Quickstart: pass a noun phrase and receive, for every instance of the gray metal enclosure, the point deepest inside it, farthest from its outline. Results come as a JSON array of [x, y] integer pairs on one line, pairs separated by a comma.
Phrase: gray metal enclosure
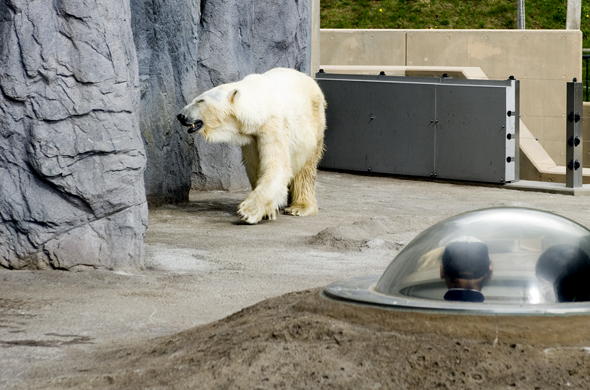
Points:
[[431, 127]]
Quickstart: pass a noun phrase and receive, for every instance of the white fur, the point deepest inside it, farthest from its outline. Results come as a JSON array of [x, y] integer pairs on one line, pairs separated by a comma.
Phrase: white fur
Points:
[[278, 119]]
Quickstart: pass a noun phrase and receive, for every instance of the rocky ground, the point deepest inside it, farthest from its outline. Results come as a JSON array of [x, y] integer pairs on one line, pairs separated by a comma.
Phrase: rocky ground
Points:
[[167, 326]]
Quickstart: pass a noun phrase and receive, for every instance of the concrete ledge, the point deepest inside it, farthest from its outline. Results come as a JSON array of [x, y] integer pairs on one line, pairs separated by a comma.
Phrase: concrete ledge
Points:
[[458, 72], [548, 187]]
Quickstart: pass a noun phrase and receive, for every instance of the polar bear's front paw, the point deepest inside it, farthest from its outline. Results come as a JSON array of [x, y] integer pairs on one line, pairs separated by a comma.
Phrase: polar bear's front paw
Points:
[[249, 213], [252, 211]]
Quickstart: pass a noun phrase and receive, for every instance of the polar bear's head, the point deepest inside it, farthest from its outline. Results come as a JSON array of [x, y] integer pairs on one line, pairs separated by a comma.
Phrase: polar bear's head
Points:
[[213, 115]]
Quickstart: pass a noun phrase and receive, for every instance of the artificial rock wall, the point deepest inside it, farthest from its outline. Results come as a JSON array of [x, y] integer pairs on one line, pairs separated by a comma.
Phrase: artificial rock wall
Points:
[[166, 40], [71, 156]]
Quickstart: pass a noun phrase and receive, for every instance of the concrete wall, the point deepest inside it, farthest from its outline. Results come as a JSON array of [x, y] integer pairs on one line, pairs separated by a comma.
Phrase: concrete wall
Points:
[[586, 134], [543, 60]]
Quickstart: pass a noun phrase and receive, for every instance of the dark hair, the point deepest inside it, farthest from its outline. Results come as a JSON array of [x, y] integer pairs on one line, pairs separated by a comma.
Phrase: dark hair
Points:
[[570, 267], [573, 287], [466, 260], [554, 260]]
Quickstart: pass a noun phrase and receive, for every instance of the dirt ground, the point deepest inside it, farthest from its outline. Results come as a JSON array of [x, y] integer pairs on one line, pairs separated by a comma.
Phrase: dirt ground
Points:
[[167, 326]]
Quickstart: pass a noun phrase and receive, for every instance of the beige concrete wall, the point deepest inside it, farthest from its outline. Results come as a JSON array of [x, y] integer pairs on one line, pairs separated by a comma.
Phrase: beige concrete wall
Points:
[[543, 60], [362, 47], [586, 134]]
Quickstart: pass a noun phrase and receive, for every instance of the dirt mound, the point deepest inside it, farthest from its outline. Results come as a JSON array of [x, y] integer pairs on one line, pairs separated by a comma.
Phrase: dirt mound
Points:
[[374, 233], [304, 341]]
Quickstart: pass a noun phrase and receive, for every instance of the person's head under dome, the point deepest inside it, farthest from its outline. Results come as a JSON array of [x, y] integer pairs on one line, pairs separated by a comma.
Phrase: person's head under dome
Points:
[[466, 268], [567, 268]]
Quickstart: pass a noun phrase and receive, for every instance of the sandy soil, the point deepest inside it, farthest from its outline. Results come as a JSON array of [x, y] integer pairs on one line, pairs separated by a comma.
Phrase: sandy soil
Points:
[[303, 341], [167, 327]]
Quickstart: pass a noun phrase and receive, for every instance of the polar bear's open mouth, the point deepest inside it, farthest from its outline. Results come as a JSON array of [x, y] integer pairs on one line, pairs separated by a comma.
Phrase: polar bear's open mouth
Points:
[[195, 126]]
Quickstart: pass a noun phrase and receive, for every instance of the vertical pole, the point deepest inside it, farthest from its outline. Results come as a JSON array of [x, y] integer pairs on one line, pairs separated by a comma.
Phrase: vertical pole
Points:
[[315, 37], [516, 84], [573, 171], [574, 14], [520, 15]]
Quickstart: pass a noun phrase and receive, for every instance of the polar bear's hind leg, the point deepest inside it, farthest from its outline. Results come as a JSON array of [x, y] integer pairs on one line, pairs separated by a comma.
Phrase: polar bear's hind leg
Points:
[[302, 189]]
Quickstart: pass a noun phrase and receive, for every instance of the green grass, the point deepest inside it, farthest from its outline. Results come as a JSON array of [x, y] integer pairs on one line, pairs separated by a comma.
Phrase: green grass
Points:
[[454, 14]]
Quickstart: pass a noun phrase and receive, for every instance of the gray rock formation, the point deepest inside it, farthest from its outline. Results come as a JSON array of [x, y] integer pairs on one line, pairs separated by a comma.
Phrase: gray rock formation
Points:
[[165, 35], [242, 37], [186, 47], [71, 156]]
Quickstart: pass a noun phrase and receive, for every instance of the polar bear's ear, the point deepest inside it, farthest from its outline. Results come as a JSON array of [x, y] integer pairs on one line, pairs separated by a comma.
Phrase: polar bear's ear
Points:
[[233, 95]]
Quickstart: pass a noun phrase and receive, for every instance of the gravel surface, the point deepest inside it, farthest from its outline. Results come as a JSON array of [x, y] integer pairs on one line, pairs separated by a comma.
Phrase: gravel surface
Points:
[[66, 329]]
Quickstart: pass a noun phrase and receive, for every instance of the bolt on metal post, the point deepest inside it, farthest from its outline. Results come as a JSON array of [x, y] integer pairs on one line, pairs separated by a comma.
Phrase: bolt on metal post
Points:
[[574, 153]]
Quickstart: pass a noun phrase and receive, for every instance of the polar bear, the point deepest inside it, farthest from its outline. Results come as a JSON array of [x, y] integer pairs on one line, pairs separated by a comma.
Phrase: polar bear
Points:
[[278, 118]]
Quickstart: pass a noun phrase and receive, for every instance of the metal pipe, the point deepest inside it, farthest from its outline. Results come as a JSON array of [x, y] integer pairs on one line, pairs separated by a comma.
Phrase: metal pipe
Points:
[[520, 15], [574, 14]]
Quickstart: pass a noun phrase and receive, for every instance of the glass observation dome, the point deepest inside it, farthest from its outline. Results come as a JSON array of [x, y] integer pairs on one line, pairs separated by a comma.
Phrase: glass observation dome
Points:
[[498, 260]]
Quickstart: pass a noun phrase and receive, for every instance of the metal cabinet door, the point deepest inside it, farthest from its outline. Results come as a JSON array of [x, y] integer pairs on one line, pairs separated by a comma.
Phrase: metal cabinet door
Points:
[[470, 133], [380, 126]]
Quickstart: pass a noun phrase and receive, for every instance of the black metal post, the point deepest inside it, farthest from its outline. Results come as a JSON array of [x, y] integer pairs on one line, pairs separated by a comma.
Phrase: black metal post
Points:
[[573, 172]]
